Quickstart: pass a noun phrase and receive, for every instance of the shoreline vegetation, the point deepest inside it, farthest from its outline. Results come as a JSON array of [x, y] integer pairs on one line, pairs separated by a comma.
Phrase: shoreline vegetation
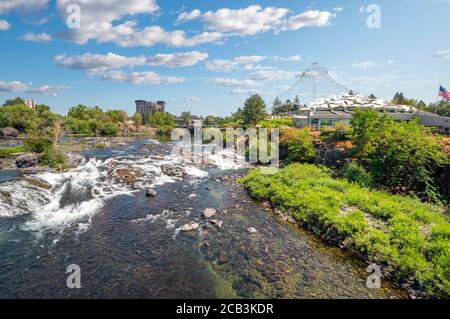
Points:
[[375, 187], [410, 239]]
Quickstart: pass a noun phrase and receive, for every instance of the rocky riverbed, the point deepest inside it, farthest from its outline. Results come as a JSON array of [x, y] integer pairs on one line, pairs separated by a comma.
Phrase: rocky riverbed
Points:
[[143, 222]]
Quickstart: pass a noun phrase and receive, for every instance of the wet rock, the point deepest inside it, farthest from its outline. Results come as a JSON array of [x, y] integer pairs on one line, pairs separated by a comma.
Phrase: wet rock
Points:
[[217, 223], [222, 259], [208, 213], [73, 159], [39, 183], [27, 160], [151, 193], [190, 227], [251, 230], [8, 132], [173, 170], [128, 175]]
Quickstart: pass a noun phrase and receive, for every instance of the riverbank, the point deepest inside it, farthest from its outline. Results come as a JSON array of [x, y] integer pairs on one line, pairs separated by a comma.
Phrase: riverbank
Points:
[[409, 239]]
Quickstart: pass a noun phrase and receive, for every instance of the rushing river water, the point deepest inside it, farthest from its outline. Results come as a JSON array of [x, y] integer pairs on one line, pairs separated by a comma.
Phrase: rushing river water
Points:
[[129, 245]]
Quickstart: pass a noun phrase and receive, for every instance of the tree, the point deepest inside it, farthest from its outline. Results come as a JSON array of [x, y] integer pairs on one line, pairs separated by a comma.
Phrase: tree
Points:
[[137, 118], [157, 119], [186, 118], [372, 96], [297, 100], [16, 101], [254, 110], [402, 156], [169, 120], [210, 120], [364, 128], [300, 144]]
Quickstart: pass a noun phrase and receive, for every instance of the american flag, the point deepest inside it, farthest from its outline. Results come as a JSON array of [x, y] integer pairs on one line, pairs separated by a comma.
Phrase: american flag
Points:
[[444, 93]]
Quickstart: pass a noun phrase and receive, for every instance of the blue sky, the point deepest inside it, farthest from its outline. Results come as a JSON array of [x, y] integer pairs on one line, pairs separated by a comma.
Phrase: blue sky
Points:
[[208, 56]]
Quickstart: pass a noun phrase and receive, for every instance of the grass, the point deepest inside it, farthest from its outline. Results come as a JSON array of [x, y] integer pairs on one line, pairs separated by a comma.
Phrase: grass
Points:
[[8, 151], [276, 123], [409, 238]]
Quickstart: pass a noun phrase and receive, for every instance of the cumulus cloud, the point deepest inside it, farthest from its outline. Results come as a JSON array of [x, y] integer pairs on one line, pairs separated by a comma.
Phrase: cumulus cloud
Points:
[[102, 21], [144, 78], [186, 16], [4, 25], [16, 86], [371, 63], [288, 58], [254, 19], [94, 63], [22, 6], [39, 37], [13, 86], [445, 54], [193, 99], [230, 82], [273, 74], [47, 90], [228, 65], [245, 92]]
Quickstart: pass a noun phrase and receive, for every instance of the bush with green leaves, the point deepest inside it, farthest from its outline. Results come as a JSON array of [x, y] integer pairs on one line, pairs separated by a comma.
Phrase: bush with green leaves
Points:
[[300, 145], [53, 157], [355, 173], [409, 238], [402, 156]]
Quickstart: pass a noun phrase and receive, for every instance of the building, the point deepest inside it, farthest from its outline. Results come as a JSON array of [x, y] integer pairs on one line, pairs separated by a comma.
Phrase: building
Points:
[[325, 113], [30, 103], [146, 108]]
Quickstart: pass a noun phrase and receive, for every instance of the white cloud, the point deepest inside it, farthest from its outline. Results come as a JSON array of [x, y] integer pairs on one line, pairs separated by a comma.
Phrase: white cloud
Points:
[[39, 37], [338, 9], [193, 99], [312, 18], [102, 21], [254, 19], [289, 58], [228, 65], [94, 63], [445, 54], [16, 86], [22, 6], [245, 92], [47, 90], [371, 63], [13, 86], [186, 16], [229, 82], [144, 78], [4, 25], [273, 74]]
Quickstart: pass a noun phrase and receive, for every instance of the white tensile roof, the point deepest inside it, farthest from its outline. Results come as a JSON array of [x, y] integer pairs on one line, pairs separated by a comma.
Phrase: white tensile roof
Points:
[[351, 101]]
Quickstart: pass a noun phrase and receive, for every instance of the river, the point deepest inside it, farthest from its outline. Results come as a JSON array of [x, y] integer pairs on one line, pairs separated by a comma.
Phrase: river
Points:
[[128, 245]]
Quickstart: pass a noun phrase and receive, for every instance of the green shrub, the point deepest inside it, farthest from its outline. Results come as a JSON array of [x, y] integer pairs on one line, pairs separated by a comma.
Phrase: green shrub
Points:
[[53, 157], [8, 151], [410, 237], [355, 173], [37, 144], [300, 144], [110, 129]]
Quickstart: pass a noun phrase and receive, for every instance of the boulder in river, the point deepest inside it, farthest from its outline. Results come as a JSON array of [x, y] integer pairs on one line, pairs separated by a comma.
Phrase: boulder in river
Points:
[[9, 132], [251, 230], [208, 213], [217, 223], [173, 170], [27, 160], [39, 183], [128, 174], [151, 193], [190, 227], [73, 159]]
